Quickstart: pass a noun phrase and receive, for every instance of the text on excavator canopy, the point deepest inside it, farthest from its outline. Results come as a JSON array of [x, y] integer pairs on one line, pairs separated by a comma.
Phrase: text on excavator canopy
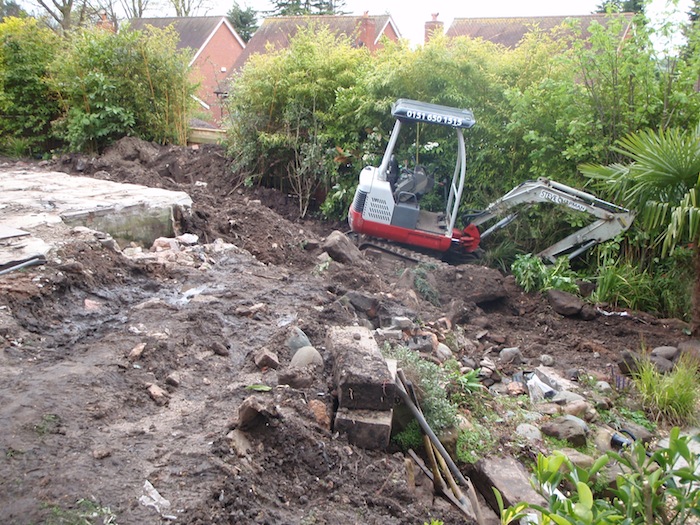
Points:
[[434, 117], [558, 199]]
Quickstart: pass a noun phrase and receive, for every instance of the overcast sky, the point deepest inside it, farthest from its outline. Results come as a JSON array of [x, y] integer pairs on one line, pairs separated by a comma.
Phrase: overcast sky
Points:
[[411, 15]]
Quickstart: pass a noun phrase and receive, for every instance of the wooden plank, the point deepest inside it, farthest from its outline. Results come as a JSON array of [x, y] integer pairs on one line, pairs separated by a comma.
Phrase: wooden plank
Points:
[[206, 136]]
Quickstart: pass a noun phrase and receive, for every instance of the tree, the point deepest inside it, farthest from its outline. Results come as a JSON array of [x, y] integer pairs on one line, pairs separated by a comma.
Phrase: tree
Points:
[[134, 8], [661, 182], [244, 21], [187, 7], [10, 8], [622, 6], [306, 7], [65, 13]]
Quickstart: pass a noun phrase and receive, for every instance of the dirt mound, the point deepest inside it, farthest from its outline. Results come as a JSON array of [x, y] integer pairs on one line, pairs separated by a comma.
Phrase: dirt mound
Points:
[[118, 371]]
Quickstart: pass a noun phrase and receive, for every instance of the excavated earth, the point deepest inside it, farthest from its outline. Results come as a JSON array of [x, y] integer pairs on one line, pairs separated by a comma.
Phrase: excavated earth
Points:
[[119, 370]]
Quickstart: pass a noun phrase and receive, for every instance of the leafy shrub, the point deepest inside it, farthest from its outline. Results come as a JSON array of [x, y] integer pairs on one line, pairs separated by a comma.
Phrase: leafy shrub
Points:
[[130, 83], [429, 380], [532, 274], [284, 121], [28, 104], [661, 487], [672, 397]]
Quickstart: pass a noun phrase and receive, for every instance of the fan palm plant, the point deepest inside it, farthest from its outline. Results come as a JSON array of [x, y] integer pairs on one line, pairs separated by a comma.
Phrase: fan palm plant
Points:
[[661, 182]]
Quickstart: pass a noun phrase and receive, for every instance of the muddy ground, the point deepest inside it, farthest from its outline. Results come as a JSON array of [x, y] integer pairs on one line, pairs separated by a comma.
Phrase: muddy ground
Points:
[[115, 371]]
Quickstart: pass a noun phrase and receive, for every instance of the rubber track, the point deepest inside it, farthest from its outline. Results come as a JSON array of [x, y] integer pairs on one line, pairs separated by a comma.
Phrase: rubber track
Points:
[[363, 242]]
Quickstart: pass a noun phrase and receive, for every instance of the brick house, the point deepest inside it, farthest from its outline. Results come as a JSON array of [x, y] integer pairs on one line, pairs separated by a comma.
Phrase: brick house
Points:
[[276, 32], [216, 46], [509, 31]]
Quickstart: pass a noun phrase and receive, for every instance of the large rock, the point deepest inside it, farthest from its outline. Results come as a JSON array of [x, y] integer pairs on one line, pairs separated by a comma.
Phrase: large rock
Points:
[[507, 476], [361, 374], [341, 248], [567, 428], [565, 303], [691, 349]]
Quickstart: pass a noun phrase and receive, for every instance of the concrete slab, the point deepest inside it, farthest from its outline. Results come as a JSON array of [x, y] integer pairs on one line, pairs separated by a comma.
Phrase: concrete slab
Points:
[[34, 200]]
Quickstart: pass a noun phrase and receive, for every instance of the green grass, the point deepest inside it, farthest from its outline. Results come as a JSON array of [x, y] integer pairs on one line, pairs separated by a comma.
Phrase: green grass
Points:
[[475, 443], [87, 512], [671, 397]]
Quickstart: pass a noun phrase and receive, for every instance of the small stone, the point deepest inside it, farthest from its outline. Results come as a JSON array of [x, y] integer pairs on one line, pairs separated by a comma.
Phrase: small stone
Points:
[[515, 388], [320, 413], [569, 428], [101, 453], [187, 238], [265, 358], [401, 322], [497, 338], [306, 356], [250, 311], [529, 432], [296, 378], [580, 408], [254, 411], [219, 349], [481, 322], [239, 442], [604, 387], [511, 355], [173, 379], [667, 352], [157, 394], [547, 360], [136, 352], [443, 352], [297, 339], [162, 244]]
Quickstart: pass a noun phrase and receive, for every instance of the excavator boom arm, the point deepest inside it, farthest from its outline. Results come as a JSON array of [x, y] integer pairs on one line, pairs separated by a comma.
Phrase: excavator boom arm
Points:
[[611, 219]]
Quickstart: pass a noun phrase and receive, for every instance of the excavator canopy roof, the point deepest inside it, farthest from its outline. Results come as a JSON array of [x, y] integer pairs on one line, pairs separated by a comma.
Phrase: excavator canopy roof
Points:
[[407, 110]]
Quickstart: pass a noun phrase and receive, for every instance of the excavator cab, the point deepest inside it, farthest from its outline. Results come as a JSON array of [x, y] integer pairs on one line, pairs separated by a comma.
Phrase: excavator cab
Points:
[[386, 204], [387, 199]]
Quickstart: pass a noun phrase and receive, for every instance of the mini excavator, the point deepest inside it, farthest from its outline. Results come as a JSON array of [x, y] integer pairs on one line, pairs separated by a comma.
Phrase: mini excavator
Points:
[[386, 204]]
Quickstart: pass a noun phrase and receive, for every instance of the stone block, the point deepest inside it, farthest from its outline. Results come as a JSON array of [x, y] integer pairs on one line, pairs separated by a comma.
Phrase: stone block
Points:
[[370, 429], [509, 477], [360, 372]]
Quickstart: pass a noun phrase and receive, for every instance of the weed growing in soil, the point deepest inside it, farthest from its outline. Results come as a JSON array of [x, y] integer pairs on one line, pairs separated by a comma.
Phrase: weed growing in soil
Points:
[[672, 397], [429, 380], [426, 290], [88, 512], [49, 424], [474, 443]]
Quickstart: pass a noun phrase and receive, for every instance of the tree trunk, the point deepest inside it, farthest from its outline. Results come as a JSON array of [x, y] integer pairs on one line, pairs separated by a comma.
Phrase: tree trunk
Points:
[[695, 314]]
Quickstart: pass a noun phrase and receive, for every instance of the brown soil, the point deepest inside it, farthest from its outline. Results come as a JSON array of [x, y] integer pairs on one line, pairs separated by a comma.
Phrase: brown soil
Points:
[[76, 415]]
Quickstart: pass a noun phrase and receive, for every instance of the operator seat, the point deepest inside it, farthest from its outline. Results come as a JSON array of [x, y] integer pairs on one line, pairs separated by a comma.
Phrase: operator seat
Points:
[[412, 185]]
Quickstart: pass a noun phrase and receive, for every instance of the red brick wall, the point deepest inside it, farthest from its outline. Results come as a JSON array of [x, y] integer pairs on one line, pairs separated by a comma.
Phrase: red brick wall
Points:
[[221, 51]]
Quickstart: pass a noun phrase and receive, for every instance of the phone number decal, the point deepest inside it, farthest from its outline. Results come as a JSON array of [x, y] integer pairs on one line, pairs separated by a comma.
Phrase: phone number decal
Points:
[[434, 117]]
